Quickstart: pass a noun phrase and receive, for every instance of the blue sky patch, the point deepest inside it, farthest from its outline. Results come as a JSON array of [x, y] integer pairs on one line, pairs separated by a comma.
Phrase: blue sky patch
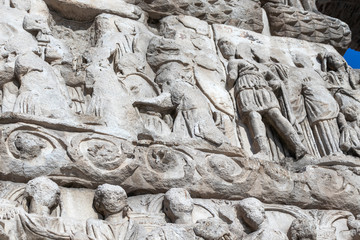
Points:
[[353, 58]]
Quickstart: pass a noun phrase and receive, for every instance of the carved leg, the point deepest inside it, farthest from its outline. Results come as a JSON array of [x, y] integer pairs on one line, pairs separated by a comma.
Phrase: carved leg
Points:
[[327, 137], [286, 132], [257, 126]]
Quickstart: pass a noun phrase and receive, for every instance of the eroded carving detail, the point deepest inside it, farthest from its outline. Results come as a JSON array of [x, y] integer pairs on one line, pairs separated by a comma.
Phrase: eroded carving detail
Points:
[[170, 119]]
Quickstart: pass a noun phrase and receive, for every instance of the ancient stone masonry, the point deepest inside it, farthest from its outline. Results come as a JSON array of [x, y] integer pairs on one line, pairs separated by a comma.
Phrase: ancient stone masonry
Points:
[[174, 119]]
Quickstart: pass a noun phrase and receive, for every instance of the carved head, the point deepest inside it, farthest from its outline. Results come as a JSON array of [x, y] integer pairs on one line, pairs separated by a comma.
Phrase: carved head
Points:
[[26, 63], [334, 61], [43, 195], [252, 212], [227, 48], [171, 74], [178, 205], [302, 228], [351, 113], [110, 199]]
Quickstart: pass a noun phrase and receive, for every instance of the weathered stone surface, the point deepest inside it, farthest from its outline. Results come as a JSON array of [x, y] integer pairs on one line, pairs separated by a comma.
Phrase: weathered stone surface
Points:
[[292, 21], [143, 218], [348, 11], [246, 14], [177, 120], [87, 10]]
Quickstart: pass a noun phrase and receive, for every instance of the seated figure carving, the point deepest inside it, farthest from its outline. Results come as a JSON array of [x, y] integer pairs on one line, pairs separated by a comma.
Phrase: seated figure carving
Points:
[[193, 118], [38, 83]]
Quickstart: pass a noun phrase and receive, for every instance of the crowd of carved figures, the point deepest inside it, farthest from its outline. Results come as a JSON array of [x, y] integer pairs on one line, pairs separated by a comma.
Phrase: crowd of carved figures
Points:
[[38, 214], [166, 87], [197, 109]]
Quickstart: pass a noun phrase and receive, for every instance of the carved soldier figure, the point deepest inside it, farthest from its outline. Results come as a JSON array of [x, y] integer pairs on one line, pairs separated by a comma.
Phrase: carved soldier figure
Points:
[[256, 100]]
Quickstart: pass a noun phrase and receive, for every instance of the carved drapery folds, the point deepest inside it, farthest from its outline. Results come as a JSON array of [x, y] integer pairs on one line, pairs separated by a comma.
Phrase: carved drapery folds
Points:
[[176, 120]]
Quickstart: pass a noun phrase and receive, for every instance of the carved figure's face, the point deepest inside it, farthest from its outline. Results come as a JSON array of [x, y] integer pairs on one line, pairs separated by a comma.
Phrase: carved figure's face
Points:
[[335, 62], [252, 212], [44, 192], [178, 204], [351, 113], [110, 199], [227, 48], [254, 217]]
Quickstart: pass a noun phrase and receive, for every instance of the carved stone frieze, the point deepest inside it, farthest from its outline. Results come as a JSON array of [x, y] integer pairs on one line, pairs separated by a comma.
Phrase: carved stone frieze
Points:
[[211, 120]]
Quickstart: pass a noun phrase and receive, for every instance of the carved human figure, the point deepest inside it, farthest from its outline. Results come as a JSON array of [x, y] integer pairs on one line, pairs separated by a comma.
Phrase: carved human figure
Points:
[[322, 112], [38, 84], [193, 116], [348, 121], [212, 228], [71, 69], [43, 196], [354, 226], [111, 101], [256, 100], [178, 206], [253, 215], [338, 72], [312, 104], [292, 105], [127, 58], [111, 202], [302, 229]]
